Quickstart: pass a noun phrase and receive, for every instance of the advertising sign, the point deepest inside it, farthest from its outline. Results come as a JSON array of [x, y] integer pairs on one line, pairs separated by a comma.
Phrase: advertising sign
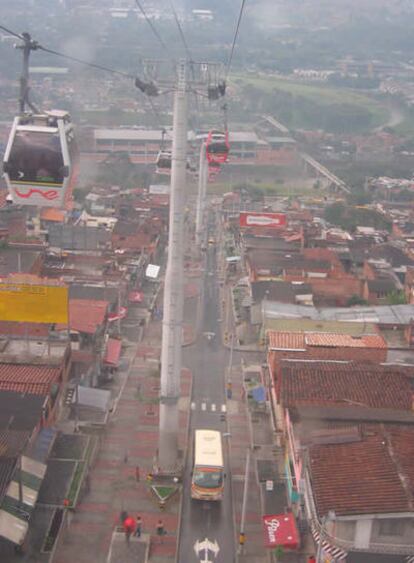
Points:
[[280, 529], [265, 220], [33, 303]]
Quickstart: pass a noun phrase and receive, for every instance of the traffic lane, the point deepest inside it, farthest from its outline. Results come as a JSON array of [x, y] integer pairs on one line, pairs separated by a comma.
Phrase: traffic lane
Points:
[[207, 362], [203, 520]]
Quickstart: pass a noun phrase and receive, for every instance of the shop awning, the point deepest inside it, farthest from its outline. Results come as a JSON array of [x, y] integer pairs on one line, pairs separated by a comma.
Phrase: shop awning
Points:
[[112, 352], [15, 511], [280, 529], [118, 315]]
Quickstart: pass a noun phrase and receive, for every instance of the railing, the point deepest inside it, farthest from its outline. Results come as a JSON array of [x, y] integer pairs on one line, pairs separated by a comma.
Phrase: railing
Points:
[[374, 547], [347, 545]]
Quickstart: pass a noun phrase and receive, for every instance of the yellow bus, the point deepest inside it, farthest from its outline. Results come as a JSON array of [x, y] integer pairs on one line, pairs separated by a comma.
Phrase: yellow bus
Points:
[[207, 481]]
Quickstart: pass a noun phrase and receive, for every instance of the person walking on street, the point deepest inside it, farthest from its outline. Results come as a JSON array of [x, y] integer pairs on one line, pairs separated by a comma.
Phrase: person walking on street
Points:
[[138, 526], [129, 527], [160, 530], [123, 516]]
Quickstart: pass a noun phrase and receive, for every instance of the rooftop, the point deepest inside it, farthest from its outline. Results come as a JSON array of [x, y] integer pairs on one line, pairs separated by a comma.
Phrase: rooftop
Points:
[[27, 378], [86, 315], [344, 383], [20, 411], [371, 475], [279, 340]]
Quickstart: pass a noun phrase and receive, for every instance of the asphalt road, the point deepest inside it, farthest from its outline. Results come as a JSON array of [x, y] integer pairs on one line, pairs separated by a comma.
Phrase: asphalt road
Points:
[[208, 361]]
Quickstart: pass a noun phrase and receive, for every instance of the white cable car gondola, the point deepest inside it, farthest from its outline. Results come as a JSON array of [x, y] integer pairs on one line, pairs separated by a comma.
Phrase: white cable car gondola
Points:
[[41, 159], [164, 163]]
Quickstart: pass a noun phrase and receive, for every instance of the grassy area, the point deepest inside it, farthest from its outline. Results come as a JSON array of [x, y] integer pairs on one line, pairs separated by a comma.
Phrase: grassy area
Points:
[[321, 94], [76, 483]]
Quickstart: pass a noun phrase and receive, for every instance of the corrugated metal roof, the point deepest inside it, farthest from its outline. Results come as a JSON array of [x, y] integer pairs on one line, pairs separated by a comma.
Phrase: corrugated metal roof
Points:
[[385, 314]]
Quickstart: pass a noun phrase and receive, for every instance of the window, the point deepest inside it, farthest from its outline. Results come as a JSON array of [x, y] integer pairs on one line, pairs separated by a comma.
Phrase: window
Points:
[[391, 527]]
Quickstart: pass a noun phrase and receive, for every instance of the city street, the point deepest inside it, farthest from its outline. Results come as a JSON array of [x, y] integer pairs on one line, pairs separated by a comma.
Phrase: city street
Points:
[[207, 525]]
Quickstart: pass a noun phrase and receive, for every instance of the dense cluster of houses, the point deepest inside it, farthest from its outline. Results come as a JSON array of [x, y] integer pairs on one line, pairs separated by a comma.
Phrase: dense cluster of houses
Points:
[[54, 377], [333, 310]]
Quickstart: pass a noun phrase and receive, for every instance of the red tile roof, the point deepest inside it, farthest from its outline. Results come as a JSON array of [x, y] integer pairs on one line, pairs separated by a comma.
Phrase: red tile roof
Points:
[[373, 475], [345, 340], [52, 214], [286, 340], [28, 378], [86, 315], [302, 340], [23, 329], [344, 383]]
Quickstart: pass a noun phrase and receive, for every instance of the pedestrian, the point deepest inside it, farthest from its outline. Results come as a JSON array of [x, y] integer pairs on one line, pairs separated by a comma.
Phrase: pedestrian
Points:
[[123, 516], [160, 530], [229, 389], [137, 474], [138, 526], [129, 527]]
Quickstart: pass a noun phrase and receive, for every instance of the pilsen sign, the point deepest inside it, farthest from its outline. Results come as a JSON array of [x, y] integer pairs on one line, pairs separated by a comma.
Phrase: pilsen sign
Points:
[[264, 220], [280, 529]]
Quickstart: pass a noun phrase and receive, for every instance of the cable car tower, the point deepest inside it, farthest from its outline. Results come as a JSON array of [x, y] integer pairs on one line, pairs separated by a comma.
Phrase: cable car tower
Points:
[[41, 161]]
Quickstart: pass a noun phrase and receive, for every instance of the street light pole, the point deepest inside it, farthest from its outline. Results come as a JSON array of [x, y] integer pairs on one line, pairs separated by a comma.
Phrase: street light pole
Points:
[[202, 182], [242, 536], [173, 287]]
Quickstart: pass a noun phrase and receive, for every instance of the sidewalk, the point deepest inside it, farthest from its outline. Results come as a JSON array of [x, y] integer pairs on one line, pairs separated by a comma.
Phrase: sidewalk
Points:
[[253, 429], [129, 441]]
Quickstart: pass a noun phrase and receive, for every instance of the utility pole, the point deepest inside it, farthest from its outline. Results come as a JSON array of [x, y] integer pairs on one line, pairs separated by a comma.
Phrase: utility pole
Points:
[[173, 287], [242, 535], [202, 183]]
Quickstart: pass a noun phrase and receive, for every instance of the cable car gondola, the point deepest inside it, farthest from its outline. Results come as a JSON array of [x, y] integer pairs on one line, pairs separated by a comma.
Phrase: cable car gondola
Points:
[[41, 159], [164, 163], [217, 147], [213, 171]]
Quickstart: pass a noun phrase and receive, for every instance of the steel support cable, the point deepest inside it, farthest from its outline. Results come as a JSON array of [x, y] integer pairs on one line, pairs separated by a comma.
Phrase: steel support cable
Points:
[[92, 65], [235, 37], [152, 26], [10, 32], [181, 32]]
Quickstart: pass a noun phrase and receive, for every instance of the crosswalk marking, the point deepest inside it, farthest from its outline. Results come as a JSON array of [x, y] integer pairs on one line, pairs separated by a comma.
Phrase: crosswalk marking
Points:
[[205, 406]]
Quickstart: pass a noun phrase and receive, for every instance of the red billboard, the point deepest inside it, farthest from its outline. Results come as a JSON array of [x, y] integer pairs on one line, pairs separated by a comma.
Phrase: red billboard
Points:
[[265, 220], [280, 529]]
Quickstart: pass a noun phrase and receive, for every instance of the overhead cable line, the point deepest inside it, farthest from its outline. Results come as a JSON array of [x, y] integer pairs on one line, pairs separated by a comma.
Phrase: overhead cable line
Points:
[[92, 65], [235, 37], [181, 32], [152, 26], [11, 32], [148, 88]]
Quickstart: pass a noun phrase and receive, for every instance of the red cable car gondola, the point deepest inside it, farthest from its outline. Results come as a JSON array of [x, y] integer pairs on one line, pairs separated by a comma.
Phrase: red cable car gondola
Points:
[[217, 147], [41, 159], [213, 171]]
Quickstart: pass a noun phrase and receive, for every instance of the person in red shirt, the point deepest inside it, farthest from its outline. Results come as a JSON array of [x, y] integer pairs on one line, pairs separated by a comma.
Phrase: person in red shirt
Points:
[[129, 527]]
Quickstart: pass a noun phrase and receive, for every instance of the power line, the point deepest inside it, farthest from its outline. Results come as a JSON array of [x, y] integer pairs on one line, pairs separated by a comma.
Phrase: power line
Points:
[[153, 28], [68, 57], [235, 37], [181, 32], [11, 32], [92, 65]]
